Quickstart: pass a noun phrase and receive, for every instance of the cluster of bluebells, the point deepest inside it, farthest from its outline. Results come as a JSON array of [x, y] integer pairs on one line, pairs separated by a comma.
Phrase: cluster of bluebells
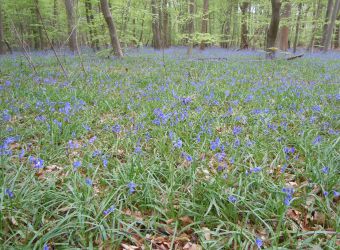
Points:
[[36, 162], [109, 210], [288, 195]]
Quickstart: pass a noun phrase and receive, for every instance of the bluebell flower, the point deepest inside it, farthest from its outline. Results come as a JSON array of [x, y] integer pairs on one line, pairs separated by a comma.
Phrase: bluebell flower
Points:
[[46, 247], [36, 162], [92, 139], [187, 156], [86, 127], [289, 195], [325, 170], [232, 199], [88, 182], [109, 210], [282, 170], [132, 187], [76, 165], [178, 143], [237, 130], [215, 144], [317, 140], [325, 193], [9, 193], [105, 162], [220, 156], [259, 242], [255, 170], [116, 128], [336, 194]]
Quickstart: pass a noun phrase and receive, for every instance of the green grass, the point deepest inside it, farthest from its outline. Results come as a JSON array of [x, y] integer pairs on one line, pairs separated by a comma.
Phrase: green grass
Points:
[[278, 105]]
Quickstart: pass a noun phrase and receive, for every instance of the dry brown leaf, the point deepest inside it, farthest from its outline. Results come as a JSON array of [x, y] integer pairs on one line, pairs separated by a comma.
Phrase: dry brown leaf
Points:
[[14, 221], [191, 246], [129, 247], [186, 220], [318, 218], [169, 221], [207, 233]]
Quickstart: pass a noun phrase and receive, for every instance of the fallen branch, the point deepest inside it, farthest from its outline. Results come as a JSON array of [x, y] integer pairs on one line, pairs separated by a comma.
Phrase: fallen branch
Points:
[[294, 57]]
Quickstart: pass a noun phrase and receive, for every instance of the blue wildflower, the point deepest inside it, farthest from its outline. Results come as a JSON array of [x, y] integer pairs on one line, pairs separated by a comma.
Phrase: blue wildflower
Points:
[[232, 199], [178, 143], [255, 170], [116, 128], [109, 210], [132, 187], [92, 140], [317, 140], [237, 130], [325, 170], [259, 242], [88, 182], [9, 193], [76, 165], [46, 247]]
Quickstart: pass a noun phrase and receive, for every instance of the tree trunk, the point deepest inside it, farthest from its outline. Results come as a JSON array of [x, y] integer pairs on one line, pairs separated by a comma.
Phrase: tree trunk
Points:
[[244, 26], [72, 29], [166, 19], [316, 18], [40, 31], [297, 26], [325, 26], [274, 25], [88, 13], [112, 28], [2, 38], [226, 29], [205, 19], [191, 27], [337, 34], [55, 17], [284, 30], [331, 25], [156, 25]]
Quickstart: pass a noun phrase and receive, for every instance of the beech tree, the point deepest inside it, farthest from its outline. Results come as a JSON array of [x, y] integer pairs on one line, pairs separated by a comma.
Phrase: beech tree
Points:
[[2, 47], [205, 19], [112, 28], [331, 26], [244, 26], [274, 23], [284, 30], [191, 27], [157, 44], [72, 28]]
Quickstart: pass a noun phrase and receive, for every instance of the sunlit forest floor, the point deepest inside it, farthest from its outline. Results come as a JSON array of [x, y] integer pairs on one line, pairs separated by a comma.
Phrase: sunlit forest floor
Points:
[[156, 151]]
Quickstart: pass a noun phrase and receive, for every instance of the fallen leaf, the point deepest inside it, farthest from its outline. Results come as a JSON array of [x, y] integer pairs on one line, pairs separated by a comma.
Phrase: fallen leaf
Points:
[[191, 246], [129, 247], [207, 233], [186, 220]]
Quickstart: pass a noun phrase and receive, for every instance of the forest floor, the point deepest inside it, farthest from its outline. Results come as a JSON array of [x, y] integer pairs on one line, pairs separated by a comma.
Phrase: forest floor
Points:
[[159, 152]]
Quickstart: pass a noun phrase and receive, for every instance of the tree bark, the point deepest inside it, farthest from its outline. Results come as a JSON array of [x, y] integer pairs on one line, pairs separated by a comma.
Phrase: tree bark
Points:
[[274, 23], [297, 27], [191, 27], [284, 30], [205, 19], [2, 38], [166, 30], [72, 29], [331, 25], [316, 17], [156, 25], [40, 32], [88, 13], [112, 28], [244, 26], [325, 26], [337, 35]]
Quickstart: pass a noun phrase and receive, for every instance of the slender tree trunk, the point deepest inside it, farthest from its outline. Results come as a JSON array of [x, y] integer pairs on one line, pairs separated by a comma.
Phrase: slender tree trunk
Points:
[[331, 25], [284, 30], [191, 27], [226, 29], [156, 25], [2, 38], [40, 31], [337, 35], [244, 25], [205, 19], [325, 26], [297, 26], [274, 25], [72, 29], [55, 17], [166, 30], [88, 10], [112, 28], [316, 18]]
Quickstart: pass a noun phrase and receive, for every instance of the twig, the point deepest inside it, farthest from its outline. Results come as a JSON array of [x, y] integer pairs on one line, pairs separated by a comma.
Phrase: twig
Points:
[[23, 47], [294, 57]]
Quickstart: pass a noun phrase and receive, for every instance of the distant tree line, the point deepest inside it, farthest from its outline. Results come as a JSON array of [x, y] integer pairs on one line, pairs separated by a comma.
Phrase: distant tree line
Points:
[[283, 24]]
